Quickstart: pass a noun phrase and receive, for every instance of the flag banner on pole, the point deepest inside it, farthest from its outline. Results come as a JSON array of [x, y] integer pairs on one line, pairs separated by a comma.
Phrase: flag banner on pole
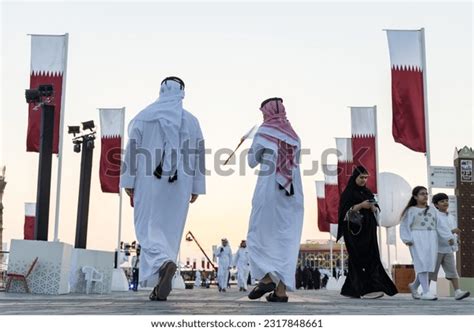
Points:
[[48, 63], [408, 116], [364, 145], [331, 191], [30, 219], [323, 224], [344, 162], [111, 131], [392, 235]]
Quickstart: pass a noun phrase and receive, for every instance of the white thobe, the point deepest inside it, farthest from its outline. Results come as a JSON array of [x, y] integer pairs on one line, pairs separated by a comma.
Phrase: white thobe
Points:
[[225, 259], [198, 280], [161, 207], [242, 263], [424, 248], [276, 220]]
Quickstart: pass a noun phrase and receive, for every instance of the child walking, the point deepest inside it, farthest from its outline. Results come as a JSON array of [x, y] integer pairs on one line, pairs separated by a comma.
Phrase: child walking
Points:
[[446, 251], [419, 230]]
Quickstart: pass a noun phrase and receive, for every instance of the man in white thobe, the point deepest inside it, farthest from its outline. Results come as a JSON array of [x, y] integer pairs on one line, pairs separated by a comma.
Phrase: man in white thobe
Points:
[[224, 254], [276, 220], [242, 263], [163, 171]]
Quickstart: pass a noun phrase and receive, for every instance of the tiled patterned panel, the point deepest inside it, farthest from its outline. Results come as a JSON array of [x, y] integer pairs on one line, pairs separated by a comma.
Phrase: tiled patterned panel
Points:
[[50, 275]]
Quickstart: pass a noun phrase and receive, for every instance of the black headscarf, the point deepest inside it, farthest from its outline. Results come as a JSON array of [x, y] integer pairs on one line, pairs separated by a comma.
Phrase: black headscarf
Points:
[[352, 195]]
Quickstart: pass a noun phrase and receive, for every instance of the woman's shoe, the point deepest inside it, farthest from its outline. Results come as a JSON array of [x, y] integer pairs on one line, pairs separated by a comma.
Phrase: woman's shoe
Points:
[[414, 291], [260, 290], [428, 296], [272, 297]]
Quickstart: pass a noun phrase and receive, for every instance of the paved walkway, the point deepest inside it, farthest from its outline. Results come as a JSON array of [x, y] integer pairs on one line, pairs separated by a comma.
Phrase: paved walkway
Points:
[[210, 301]]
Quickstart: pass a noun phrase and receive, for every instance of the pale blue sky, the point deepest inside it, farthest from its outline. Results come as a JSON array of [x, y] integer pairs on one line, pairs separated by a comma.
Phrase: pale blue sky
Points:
[[320, 57]]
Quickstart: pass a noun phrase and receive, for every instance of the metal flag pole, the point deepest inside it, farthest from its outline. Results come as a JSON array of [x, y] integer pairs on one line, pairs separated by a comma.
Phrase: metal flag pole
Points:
[[425, 105], [377, 174], [331, 253], [120, 190], [61, 140]]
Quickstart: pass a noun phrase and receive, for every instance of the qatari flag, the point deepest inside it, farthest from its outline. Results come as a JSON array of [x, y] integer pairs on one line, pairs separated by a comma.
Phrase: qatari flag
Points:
[[408, 114], [111, 133], [48, 67], [30, 219], [331, 192], [344, 162], [364, 144], [323, 224]]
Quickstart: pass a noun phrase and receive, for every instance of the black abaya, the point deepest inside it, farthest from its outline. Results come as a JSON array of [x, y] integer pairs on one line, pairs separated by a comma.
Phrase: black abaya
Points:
[[366, 273]]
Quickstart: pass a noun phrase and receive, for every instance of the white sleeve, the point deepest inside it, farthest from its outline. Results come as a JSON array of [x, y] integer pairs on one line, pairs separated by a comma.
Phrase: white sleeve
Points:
[[255, 154], [405, 231], [199, 180], [218, 252], [443, 229], [129, 166]]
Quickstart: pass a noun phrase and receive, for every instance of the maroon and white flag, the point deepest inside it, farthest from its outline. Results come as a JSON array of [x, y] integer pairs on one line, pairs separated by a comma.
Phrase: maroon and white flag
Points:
[[364, 144], [323, 224], [408, 114], [48, 66], [331, 192], [344, 162], [111, 134], [30, 219]]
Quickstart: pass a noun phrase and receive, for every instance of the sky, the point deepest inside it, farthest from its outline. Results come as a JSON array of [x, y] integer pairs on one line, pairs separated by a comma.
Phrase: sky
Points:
[[320, 57]]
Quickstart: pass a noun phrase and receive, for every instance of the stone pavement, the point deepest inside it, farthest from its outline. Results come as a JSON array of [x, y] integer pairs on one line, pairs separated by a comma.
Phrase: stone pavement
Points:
[[210, 301]]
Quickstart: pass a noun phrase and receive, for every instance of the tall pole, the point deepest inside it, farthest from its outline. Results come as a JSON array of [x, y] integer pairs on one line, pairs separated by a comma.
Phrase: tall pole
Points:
[[3, 183], [377, 174], [425, 104], [330, 250], [60, 152], [342, 259], [43, 192], [84, 191], [119, 239]]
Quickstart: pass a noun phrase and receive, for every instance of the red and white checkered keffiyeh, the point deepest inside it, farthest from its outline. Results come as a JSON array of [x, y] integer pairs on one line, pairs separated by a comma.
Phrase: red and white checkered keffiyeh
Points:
[[277, 129]]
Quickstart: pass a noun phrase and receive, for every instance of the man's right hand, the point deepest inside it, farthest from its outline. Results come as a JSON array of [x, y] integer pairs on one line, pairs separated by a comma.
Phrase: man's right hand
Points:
[[409, 243], [129, 191]]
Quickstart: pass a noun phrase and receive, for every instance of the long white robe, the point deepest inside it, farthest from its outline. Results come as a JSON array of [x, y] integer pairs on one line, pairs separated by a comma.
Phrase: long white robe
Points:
[[276, 220], [241, 261], [161, 207], [224, 262], [424, 248]]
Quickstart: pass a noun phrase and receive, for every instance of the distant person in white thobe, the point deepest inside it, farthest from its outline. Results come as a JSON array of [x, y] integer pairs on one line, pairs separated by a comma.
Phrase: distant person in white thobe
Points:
[[163, 171], [276, 220], [198, 279], [224, 255], [241, 261]]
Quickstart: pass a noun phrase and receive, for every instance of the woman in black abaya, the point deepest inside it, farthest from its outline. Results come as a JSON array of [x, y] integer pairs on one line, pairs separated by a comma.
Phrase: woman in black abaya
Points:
[[367, 277]]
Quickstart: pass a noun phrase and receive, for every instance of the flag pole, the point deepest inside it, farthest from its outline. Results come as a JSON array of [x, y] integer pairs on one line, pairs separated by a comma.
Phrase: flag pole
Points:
[[330, 247], [61, 140], [377, 174], [120, 189], [425, 106]]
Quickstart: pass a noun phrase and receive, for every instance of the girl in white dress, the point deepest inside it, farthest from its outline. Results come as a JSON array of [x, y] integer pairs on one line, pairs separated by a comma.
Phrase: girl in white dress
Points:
[[419, 231]]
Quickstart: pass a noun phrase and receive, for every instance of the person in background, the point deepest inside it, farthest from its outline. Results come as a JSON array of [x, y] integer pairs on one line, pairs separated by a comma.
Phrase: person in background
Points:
[[224, 254]]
